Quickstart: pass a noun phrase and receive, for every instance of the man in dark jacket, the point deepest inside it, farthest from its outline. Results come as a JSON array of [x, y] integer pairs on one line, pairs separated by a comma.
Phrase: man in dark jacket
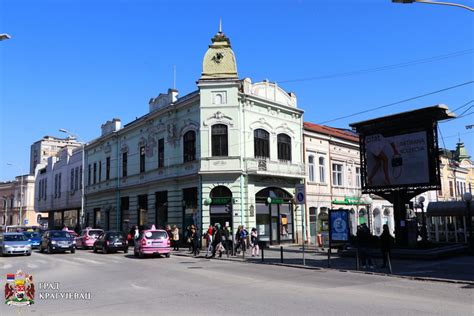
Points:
[[385, 244], [216, 240], [364, 242]]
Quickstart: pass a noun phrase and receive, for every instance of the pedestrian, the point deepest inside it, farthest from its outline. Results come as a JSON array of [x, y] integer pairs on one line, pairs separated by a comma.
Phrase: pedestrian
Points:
[[65, 228], [243, 239], [130, 237], [385, 244], [254, 242], [194, 240], [168, 231], [364, 240], [217, 241], [175, 240], [237, 241], [136, 233], [189, 239], [208, 237]]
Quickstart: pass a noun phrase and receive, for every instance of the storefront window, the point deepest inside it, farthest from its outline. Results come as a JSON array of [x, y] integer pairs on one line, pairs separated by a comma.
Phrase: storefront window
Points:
[[58, 219], [70, 218]]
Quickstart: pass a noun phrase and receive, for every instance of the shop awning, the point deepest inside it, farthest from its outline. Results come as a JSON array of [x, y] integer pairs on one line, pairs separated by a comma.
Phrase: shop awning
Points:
[[448, 208]]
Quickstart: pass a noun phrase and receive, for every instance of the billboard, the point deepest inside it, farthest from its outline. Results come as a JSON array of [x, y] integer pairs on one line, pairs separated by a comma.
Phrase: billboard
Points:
[[338, 226], [398, 160]]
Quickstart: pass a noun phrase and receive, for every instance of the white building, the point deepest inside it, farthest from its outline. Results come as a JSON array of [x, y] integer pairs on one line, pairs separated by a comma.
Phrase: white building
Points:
[[229, 152], [18, 198], [333, 180], [46, 147]]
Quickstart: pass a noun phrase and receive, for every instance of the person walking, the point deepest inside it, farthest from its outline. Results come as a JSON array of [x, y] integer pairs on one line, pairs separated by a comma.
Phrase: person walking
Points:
[[237, 240], [243, 239], [385, 244], [208, 237], [217, 241], [175, 237], [194, 240], [364, 241], [189, 238], [254, 242]]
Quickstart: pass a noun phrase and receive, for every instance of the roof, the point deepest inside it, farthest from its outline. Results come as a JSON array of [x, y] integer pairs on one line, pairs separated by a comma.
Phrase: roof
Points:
[[331, 131], [448, 208]]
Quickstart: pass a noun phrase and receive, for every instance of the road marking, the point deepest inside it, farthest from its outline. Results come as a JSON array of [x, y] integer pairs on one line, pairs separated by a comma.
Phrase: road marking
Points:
[[138, 287], [87, 260], [7, 266], [32, 266], [41, 261]]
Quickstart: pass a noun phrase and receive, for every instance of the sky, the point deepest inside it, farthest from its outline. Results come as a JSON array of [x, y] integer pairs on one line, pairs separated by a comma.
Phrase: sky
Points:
[[74, 64]]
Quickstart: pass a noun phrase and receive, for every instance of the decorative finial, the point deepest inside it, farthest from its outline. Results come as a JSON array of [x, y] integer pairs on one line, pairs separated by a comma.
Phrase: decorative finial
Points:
[[220, 25]]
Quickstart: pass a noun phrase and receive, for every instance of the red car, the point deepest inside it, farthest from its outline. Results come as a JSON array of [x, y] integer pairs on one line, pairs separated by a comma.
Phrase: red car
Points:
[[152, 242], [88, 237]]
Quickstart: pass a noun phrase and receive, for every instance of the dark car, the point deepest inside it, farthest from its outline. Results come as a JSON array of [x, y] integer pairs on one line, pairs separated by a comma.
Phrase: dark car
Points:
[[34, 238], [57, 241], [111, 241]]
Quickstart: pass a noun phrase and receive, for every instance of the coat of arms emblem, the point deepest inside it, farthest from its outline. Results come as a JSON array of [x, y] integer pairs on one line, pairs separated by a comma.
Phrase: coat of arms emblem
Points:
[[19, 289]]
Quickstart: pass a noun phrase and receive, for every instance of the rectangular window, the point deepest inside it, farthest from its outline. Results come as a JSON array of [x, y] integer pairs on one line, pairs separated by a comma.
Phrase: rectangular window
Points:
[[95, 172], [142, 159], [100, 170], [142, 213], [451, 189], [219, 140], [358, 184], [55, 186], [89, 173], [161, 208], [124, 164], [107, 168], [161, 153], [337, 174], [190, 204], [59, 185], [76, 179], [124, 206], [322, 170], [72, 180], [45, 189]]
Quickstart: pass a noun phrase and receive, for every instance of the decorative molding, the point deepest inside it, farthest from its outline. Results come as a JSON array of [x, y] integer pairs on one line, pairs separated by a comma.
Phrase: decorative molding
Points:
[[284, 128], [189, 125], [262, 123], [218, 118], [124, 148], [171, 130]]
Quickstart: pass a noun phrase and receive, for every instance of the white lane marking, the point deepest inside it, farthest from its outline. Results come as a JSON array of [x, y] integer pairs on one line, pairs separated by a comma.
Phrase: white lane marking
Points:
[[6, 266], [138, 287], [87, 260], [32, 266]]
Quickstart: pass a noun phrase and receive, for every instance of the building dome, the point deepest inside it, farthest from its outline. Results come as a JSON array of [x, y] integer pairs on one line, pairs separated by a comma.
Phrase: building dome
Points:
[[219, 60]]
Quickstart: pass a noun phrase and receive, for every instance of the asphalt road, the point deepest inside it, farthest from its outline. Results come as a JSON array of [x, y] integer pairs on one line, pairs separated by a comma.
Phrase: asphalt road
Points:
[[123, 285]]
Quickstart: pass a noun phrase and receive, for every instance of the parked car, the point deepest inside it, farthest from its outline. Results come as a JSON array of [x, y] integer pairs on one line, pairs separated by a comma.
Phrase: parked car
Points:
[[34, 239], [151, 242], [88, 237], [111, 241], [57, 240], [14, 244]]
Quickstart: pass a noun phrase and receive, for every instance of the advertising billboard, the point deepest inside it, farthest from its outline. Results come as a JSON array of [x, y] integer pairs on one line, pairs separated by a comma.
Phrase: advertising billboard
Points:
[[338, 226], [399, 160]]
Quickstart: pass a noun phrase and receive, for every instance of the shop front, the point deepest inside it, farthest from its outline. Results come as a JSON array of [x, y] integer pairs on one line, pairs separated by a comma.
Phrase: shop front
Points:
[[274, 216], [448, 221], [220, 206]]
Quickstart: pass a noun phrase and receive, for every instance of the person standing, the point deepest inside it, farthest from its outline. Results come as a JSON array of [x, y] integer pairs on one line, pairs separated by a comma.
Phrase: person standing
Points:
[[243, 239], [175, 239], [194, 240], [254, 242], [208, 237], [217, 241], [385, 244], [364, 240]]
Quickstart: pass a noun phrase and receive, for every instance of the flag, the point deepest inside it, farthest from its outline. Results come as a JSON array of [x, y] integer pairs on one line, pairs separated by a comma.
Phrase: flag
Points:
[[10, 277]]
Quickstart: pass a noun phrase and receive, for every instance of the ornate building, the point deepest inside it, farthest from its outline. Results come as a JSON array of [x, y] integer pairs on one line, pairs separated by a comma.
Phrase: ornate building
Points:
[[229, 153]]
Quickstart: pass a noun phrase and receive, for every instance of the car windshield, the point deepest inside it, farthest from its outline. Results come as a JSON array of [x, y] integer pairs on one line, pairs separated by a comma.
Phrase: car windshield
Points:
[[155, 234], [95, 232], [114, 235], [60, 234], [31, 235], [15, 237]]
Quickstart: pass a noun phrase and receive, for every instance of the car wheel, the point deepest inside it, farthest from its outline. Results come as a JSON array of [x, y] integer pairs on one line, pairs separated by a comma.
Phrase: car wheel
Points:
[[73, 250], [104, 250], [167, 255], [125, 250], [94, 249]]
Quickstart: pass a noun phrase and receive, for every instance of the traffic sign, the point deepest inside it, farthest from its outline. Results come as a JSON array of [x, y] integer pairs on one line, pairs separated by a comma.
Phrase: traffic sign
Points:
[[300, 194], [25, 222]]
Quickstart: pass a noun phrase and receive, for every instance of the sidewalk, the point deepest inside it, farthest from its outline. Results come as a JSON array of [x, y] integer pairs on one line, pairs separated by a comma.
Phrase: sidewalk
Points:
[[456, 269]]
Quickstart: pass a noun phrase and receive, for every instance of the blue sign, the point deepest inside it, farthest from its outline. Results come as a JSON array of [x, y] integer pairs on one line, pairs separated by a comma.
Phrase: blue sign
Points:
[[25, 222], [339, 225]]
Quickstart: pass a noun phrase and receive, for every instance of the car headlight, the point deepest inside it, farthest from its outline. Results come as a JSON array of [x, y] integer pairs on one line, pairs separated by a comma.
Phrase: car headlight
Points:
[[28, 246], [7, 246], [53, 242]]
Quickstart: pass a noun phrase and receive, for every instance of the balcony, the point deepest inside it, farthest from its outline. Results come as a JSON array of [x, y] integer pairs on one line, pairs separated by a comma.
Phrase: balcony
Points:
[[220, 164], [278, 168]]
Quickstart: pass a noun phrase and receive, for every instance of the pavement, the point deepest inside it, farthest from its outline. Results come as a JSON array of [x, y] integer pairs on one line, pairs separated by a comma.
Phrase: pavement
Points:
[[120, 284], [457, 269]]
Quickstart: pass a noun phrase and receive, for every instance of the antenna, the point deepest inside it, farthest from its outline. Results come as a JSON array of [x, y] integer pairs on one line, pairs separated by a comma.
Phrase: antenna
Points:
[[174, 77]]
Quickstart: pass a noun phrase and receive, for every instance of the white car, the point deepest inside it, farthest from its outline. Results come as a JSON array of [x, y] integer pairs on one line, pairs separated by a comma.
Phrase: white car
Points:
[[15, 244]]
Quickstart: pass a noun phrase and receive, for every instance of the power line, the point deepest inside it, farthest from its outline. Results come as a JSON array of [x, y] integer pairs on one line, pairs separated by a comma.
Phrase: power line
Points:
[[382, 68], [398, 102]]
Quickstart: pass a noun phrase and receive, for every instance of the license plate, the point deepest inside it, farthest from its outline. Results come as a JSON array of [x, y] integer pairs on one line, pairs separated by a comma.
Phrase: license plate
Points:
[[118, 244], [64, 246], [156, 242]]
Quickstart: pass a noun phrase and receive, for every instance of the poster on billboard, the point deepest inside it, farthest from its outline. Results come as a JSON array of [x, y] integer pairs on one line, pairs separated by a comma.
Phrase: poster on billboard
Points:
[[397, 160], [338, 226]]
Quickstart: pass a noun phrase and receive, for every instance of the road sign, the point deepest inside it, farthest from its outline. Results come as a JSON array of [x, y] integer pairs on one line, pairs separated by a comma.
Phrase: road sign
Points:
[[300, 194], [25, 222]]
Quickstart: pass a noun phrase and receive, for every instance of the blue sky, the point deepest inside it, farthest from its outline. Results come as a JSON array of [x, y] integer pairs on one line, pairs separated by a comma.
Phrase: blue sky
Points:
[[75, 64]]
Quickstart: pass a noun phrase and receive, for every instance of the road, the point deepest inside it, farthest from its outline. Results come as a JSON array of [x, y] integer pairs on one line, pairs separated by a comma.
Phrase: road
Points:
[[123, 285]]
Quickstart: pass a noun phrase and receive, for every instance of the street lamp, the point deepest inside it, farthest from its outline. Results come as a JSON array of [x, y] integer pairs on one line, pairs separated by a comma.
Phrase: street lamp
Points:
[[21, 193], [434, 2], [421, 199], [81, 215], [467, 197]]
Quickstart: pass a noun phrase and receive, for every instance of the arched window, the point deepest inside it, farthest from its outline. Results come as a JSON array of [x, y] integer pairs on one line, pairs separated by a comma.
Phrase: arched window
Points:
[[322, 170], [189, 146], [311, 168], [261, 143], [219, 140], [284, 147]]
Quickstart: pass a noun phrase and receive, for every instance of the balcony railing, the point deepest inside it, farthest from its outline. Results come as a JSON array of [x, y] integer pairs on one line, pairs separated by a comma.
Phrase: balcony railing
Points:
[[267, 167]]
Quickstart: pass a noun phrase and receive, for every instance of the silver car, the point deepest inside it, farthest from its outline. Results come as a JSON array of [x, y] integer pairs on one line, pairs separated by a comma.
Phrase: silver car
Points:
[[14, 244]]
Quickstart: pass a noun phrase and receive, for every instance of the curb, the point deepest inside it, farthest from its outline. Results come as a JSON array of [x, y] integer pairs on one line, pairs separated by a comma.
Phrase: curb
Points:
[[415, 278]]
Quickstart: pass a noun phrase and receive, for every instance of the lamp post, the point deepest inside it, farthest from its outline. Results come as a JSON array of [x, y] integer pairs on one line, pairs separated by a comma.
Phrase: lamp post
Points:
[[81, 215], [421, 199], [368, 202], [435, 2], [21, 194], [467, 197]]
